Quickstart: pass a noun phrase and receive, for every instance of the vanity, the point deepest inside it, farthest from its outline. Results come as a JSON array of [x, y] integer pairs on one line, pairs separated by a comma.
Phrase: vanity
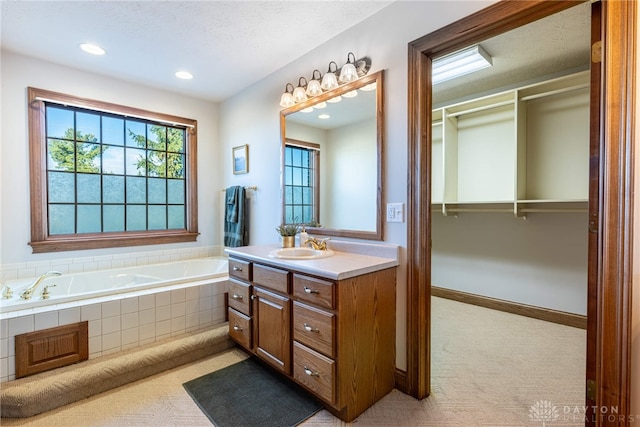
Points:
[[327, 323]]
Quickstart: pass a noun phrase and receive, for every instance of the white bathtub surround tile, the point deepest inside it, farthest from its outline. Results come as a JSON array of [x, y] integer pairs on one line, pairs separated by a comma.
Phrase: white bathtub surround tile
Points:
[[177, 310], [130, 338], [191, 293], [142, 260], [147, 333], [117, 263], [163, 329], [27, 273], [129, 320], [105, 265], [95, 346], [206, 304], [164, 258], [178, 325], [4, 349], [95, 328], [75, 268], [91, 312], [206, 291], [163, 298], [129, 305], [177, 295], [4, 328], [205, 319], [192, 322], [4, 368], [147, 317], [191, 307], [145, 302], [112, 341], [90, 266], [153, 259], [69, 315], [46, 320], [163, 313], [130, 262], [218, 315], [110, 309], [110, 325], [21, 325]]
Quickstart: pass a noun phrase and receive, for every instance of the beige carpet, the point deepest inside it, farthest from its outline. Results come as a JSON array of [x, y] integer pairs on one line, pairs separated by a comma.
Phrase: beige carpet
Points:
[[488, 369]]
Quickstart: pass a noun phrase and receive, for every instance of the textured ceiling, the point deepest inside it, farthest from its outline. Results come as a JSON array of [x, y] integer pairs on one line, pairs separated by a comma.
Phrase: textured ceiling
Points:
[[227, 45], [542, 48]]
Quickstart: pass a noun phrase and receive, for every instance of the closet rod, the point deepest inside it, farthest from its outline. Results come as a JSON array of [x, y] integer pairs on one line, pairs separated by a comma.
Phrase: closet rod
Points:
[[555, 92]]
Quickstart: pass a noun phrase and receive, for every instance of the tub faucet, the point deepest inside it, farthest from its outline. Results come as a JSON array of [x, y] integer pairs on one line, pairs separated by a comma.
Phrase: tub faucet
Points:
[[28, 293]]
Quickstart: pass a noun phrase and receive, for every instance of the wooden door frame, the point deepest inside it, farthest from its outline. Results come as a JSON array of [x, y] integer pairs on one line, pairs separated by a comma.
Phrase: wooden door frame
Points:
[[614, 212]]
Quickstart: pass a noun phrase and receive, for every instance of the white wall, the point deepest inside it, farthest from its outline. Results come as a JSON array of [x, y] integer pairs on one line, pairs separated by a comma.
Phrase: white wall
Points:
[[19, 72], [252, 117]]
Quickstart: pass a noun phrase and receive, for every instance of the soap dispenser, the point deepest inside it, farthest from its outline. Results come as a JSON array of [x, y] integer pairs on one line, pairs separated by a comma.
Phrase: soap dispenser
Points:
[[303, 237]]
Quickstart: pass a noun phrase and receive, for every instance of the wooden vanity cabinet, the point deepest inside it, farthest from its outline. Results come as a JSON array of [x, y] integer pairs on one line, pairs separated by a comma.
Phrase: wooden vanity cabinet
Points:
[[336, 338]]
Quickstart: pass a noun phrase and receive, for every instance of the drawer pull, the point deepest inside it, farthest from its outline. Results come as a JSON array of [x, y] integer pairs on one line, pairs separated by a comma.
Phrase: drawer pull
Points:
[[311, 291], [236, 296], [254, 297], [237, 328], [310, 329], [310, 372], [236, 268]]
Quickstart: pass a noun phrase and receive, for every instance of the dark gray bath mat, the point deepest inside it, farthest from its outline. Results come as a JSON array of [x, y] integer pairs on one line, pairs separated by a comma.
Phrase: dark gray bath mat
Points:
[[249, 394]]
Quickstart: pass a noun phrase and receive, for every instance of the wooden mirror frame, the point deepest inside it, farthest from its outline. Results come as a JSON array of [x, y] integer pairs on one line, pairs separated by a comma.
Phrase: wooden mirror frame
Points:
[[378, 78]]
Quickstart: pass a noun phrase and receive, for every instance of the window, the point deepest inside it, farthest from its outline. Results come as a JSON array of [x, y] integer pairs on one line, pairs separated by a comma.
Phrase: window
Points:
[[104, 175], [301, 178]]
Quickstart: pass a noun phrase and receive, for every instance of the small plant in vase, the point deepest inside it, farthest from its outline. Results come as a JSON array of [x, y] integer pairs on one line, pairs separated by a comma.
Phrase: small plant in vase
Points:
[[288, 233]]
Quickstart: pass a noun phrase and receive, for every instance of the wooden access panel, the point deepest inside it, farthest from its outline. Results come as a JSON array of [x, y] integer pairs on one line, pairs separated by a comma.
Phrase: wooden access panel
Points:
[[51, 348]]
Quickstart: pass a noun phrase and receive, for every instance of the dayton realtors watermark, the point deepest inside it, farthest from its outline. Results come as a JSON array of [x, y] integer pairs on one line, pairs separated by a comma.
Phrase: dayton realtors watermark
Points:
[[545, 412]]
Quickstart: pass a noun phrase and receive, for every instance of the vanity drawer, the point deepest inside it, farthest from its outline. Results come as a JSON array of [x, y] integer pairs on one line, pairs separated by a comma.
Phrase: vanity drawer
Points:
[[315, 291], [315, 371], [239, 296], [240, 328], [314, 328], [271, 278], [240, 269]]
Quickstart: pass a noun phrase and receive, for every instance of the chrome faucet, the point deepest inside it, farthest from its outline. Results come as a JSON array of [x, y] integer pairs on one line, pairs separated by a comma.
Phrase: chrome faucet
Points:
[[317, 244], [28, 293]]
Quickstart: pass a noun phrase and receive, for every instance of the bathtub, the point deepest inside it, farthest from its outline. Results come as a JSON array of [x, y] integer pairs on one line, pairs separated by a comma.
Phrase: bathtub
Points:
[[104, 285]]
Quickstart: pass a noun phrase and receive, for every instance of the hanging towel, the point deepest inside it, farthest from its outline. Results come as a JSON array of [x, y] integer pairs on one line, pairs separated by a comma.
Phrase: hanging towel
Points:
[[235, 230]]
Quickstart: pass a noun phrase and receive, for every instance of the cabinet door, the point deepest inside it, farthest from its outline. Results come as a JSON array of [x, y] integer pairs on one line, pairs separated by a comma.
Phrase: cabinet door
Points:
[[272, 317]]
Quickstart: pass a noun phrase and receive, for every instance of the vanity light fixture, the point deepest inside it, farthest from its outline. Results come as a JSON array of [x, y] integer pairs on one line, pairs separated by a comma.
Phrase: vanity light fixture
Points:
[[348, 73], [92, 49], [184, 75], [320, 105], [299, 93], [307, 110], [286, 100], [369, 87], [330, 81], [460, 63], [313, 88]]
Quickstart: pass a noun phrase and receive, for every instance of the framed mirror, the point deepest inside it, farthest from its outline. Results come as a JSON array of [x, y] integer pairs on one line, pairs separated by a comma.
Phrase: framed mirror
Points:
[[331, 164]]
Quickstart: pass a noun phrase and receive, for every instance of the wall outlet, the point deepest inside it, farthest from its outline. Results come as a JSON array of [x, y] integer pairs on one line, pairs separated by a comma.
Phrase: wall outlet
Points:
[[395, 212]]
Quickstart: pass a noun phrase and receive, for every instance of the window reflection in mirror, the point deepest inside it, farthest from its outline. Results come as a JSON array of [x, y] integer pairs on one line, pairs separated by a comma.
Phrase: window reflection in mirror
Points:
[[340, 195]]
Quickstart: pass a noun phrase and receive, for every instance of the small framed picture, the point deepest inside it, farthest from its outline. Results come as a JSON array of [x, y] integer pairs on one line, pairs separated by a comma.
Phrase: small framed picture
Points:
[[241, 159]]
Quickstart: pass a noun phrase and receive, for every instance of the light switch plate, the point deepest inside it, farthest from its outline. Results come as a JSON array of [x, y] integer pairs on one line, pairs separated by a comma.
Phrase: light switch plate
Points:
[[395, 212]]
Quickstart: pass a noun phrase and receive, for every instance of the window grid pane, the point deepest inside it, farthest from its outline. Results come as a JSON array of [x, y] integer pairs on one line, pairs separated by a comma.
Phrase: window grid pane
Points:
[[299, 178], [106, 173]]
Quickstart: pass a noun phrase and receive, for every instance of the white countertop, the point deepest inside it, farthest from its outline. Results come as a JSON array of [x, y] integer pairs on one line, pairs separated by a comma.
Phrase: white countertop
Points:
[[341, 265]]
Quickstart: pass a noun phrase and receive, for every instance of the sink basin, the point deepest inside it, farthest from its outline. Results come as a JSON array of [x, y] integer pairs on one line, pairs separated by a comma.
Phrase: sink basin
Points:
[[300, 253]]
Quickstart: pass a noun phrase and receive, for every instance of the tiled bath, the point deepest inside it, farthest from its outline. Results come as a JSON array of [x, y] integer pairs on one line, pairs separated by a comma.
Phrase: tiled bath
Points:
[[119, 322]]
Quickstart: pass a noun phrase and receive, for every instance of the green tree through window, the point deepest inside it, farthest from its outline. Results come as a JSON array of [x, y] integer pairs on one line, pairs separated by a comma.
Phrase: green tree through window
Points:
[[105, 175]]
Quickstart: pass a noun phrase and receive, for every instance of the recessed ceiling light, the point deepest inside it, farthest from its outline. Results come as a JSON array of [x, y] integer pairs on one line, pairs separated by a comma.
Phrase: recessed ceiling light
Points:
[[184, 75], [92, 49]]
